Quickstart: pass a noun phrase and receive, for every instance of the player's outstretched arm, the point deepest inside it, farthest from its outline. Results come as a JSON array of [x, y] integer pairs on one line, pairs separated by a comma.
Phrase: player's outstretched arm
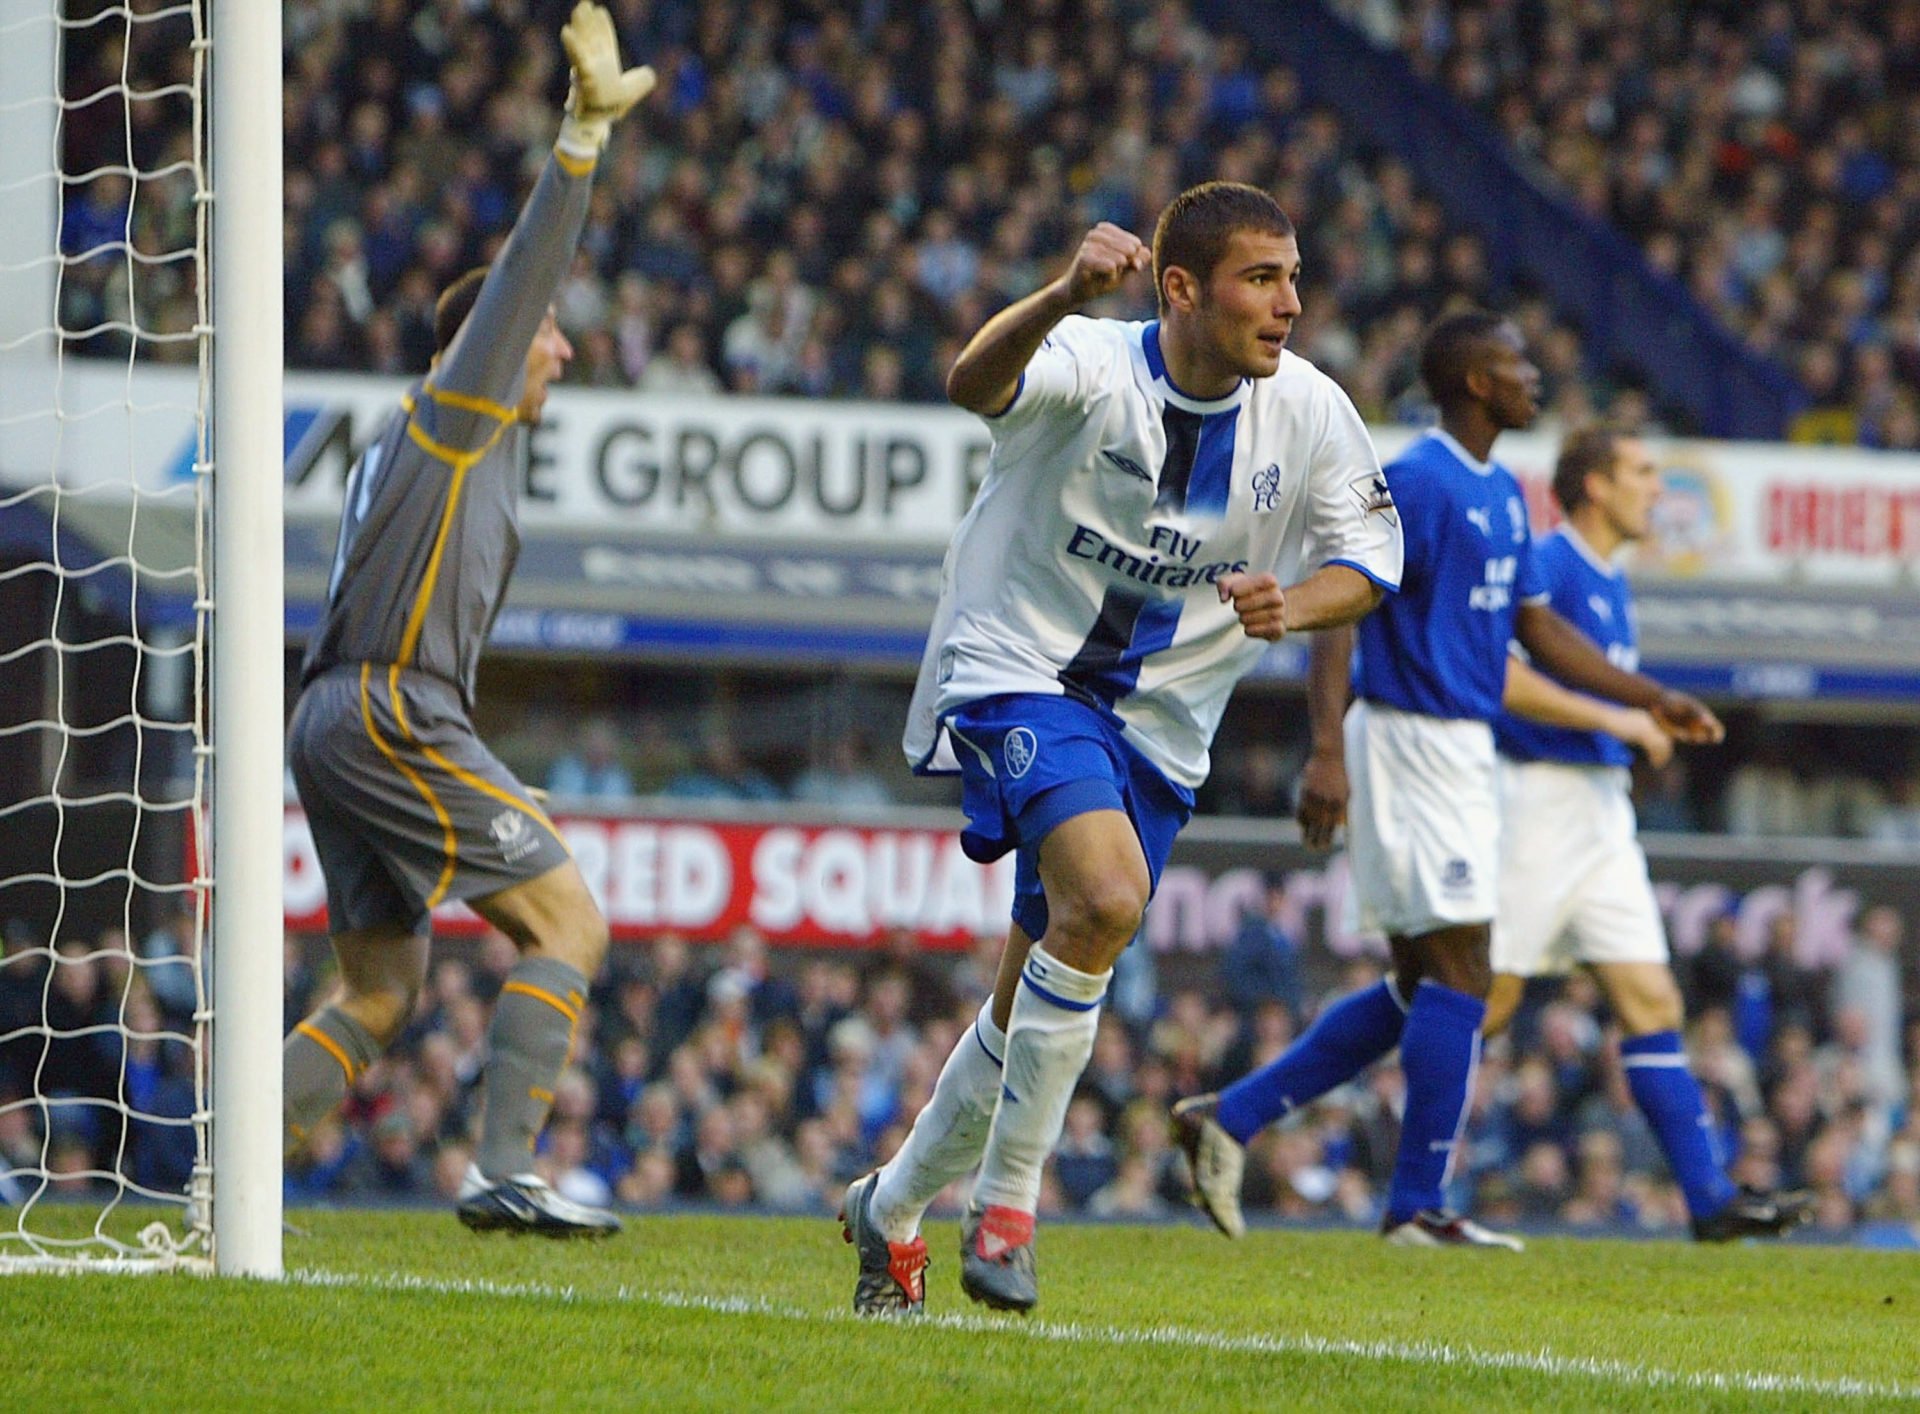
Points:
[[986, 375], [1322, 807], [1539, 698], [487, 356], [1569, 655]]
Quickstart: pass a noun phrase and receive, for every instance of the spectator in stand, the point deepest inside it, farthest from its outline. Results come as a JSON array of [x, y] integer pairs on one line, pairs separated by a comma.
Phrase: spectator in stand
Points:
[[683, 368], [391, 1166], [1764, 796], [1898, 821], [1134, 993], [931, 990], [592, 770], [842, 776], [1867, 986], [167, 957], [769, 997], [721, 772], [1084, 1161], [1263, 784], [1662, 802], [84, 1066], [1713, 979], [23, 974], [1798, 992], [1261, 964]]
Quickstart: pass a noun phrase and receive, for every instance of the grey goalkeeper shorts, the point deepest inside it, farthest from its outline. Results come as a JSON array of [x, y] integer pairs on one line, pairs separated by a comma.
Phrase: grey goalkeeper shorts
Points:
[[408, 809]]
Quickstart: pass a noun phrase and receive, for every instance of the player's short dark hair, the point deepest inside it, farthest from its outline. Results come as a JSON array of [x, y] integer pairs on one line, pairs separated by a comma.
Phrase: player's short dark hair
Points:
[[1585, 451], [456, 302], [1194, 229], [1447, 356]]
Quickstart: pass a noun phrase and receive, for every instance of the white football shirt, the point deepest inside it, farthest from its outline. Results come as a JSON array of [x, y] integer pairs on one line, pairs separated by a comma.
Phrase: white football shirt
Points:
[[1112, 505]]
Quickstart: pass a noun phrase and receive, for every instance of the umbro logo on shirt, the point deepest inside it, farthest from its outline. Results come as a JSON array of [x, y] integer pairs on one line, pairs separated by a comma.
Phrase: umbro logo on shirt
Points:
[[1128, 465]]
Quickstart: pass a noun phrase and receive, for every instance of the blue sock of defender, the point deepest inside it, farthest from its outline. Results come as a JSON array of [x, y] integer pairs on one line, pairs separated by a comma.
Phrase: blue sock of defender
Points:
[[1438, 1052], [1670, 1098], [1346, 1038]]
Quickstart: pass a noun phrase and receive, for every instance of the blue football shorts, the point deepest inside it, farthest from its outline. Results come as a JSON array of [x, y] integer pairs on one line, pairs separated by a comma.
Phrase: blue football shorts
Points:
[[1029, 761]]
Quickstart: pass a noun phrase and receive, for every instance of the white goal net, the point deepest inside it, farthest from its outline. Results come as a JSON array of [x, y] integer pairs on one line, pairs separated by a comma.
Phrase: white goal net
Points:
[[108, 636]]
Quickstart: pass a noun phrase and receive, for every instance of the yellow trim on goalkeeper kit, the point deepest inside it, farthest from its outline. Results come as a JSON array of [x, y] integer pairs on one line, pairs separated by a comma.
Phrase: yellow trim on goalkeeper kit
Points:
[[450, 842], [572, 1014], [542, 994], [461, 462], [466, 402], [459, 772], [329, 1045]]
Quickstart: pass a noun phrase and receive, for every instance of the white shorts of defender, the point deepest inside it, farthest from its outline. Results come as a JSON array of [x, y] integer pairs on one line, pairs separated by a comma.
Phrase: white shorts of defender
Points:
[[1423, 823], [1573, 878]]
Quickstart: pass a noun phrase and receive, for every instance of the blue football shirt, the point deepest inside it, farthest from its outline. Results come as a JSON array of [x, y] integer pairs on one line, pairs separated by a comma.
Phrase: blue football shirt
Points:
[[1439, 646], [1592, 595]]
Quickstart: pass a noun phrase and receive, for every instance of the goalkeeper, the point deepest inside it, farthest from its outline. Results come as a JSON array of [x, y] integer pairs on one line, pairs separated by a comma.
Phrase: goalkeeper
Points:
[[408, 808]]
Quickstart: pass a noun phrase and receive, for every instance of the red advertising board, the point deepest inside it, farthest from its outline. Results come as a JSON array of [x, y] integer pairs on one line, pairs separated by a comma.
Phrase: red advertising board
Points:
[[809, 885], [823, 884]]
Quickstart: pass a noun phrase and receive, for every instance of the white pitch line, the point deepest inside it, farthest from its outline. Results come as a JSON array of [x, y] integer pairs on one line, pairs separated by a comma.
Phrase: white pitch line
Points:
[[1542, 1362]]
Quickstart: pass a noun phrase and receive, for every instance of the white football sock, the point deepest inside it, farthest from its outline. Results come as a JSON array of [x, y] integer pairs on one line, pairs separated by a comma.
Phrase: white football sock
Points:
[[947, 1136], [1056, 1012]]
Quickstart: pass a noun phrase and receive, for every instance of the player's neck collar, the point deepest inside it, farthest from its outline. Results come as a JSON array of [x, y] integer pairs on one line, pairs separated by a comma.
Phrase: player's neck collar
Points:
[[1467, 458], [1592, 556], [1157, 367]]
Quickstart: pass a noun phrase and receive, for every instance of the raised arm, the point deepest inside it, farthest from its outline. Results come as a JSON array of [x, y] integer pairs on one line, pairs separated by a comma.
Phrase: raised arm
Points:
[[986, 376], [1539, 698], [1562, 650], [486, 358]]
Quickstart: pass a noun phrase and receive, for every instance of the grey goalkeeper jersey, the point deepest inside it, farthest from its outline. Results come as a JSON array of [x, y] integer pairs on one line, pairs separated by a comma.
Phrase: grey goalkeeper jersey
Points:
[[429, 533]]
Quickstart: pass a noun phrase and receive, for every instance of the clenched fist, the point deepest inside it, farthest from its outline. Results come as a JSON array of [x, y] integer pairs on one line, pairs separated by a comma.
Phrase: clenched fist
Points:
[[1105, 258], [1260, 603]]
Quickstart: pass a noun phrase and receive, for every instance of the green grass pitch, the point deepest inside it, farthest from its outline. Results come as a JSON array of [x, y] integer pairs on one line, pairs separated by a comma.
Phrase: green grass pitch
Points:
[[408, 1311]]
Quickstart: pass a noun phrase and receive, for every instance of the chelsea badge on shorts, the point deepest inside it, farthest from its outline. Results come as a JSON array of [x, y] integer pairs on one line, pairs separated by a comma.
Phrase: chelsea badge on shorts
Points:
[[1019, 747]]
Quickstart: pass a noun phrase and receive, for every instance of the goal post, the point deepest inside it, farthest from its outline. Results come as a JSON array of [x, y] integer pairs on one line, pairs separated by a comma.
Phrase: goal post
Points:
[[249, 636]]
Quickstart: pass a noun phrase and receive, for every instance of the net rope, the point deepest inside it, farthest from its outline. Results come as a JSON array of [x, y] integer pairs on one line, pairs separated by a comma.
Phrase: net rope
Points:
[[114, 1174]]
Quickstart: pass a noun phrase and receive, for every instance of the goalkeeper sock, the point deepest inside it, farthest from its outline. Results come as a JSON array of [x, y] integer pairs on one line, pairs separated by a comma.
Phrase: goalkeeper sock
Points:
[[1347, 1037], [1056, 1011], [949, 1134], [528, 1042], [319, 1062], [1438, 1052], [1670, 1098]]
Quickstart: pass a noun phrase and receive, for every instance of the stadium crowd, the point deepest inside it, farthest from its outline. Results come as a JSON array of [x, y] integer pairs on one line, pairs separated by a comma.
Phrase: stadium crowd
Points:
[[734, 1075], [822, 201], [826, 198], [1766, 155]]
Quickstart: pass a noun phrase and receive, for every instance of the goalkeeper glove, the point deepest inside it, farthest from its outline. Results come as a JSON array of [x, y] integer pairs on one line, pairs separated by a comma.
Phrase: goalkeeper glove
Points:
[[601, 92]]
